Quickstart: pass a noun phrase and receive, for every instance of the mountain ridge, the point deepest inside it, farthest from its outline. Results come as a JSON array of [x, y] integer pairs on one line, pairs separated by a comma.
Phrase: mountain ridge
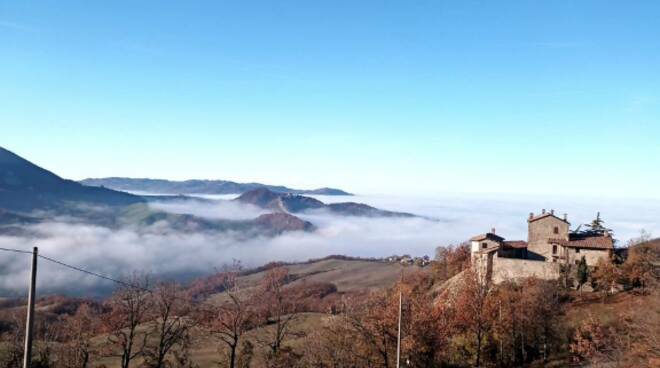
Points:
[[295, 203], [198, 186], [30, 194], [25, 187]]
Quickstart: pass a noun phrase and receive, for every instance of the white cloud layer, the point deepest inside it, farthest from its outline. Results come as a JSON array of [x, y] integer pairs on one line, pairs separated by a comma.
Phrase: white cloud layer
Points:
[[117, 253], [217, 209]]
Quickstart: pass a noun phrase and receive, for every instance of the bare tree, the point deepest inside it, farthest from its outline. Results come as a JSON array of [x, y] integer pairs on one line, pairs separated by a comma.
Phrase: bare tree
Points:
[[474, 312], [78, 330], [14, 341], [336, 344], [375, 321], [46, 332], [606, 275], [181, 353], [450, 260], [170, 326], [594, 343], [129, 307], [278, 310], [232, 317], [640, 267]]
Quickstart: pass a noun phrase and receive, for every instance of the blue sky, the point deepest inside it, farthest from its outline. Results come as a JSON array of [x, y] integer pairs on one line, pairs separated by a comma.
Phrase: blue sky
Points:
[[555, 97]]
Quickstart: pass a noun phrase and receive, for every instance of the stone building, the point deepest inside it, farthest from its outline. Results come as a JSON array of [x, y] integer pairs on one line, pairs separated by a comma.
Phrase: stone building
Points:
[[550, 243], [542, 228]]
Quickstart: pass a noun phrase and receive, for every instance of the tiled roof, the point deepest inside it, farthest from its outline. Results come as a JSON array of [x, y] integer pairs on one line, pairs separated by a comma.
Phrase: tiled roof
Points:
[[485, 236], [517, 244], [586, 241], [544, 215], [489, 249]]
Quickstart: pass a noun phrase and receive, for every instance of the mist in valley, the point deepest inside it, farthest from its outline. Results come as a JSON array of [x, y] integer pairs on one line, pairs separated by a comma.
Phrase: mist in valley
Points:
[[164, 253]]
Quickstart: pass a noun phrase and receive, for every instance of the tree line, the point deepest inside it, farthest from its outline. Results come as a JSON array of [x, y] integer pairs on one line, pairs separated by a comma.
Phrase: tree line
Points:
[[450, 318]]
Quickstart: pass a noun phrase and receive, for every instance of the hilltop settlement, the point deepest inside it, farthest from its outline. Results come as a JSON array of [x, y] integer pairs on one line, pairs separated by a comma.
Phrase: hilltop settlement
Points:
[[487, 302], [550, 246]]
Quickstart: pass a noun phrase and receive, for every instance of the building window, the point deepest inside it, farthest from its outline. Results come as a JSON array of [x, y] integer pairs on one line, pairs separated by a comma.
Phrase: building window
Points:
[[554, 249], [556, 230], [577, 250], [484, 245]]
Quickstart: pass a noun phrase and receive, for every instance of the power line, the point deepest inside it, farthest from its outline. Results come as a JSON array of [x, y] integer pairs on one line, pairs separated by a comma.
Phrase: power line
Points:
[[123, 283], [93, 273], [15, 250], [53, 260]]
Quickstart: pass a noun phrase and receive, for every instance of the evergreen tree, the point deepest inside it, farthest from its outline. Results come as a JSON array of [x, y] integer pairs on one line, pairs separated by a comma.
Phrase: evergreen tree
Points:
[[582, 272], [597, 226]]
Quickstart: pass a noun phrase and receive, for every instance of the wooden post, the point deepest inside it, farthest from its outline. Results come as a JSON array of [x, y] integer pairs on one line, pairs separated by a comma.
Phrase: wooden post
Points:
[[398, 340], [29, 324]]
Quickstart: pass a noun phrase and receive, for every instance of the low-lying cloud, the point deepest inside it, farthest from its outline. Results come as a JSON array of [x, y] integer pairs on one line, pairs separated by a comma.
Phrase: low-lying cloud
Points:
[[173, 254], [215, 209]]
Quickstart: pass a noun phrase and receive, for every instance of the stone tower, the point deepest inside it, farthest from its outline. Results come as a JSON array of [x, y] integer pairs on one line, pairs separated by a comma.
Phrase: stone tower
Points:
[[541, 229]]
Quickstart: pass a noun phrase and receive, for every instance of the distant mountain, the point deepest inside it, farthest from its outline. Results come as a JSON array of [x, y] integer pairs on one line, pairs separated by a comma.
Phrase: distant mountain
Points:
[[282, 222], [361, 209], [280, 202], [161, 186], [268, 224], [30, 195], [26, 187], [294, 203]]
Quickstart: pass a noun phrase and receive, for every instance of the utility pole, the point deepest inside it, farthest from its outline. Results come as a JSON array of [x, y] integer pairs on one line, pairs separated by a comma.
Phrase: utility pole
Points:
[[398, 339], [29, 324]]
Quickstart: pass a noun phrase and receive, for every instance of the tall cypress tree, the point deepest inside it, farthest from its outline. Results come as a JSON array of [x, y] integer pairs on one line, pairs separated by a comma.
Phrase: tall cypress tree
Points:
[[582, 272]]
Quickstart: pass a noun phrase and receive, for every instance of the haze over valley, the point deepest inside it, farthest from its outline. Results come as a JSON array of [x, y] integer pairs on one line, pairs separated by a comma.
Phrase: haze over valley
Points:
[[329, 184], [184, 236]]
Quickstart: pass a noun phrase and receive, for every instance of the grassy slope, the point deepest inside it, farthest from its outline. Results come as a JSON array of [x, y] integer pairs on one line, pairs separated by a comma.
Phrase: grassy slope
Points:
[[205, 350], [359, 275], [610, 309], [642, 311], [347, 275]]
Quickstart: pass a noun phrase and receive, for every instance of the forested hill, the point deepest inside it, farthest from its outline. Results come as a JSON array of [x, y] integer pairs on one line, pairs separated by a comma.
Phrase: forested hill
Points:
[[197, 186], [25, 187]]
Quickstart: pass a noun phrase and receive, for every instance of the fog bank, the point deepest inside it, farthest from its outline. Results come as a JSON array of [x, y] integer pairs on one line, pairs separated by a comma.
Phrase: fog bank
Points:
[[172, 254]]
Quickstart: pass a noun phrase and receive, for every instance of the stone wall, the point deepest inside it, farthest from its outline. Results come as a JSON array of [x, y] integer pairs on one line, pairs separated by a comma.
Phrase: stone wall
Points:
[[592, 256], [510, 268], [482, 264], [538, 234]]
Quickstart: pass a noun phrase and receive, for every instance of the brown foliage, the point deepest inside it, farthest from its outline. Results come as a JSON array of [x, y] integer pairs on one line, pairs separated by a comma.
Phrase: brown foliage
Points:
[[606, 275], [629, 337], [594, 343], [451, 260], [641, 267], [474, 314], [129, 307], [78, 330], [170, 326], [13, 340], [510, 324], [313, 296], [229, 320], [279, 311], [364, 334]]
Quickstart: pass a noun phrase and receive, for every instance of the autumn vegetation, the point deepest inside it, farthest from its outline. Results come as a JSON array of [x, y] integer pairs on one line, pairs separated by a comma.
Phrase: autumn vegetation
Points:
[[450, 318]]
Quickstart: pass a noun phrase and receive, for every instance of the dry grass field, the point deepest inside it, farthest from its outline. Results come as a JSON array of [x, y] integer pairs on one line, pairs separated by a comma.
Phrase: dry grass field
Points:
[[349, 276]]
